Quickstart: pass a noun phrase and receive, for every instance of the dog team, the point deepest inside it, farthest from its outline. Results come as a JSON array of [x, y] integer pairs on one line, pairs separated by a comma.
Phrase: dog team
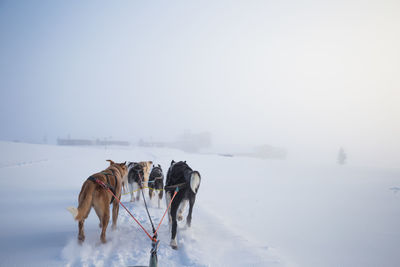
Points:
[[132, 178]]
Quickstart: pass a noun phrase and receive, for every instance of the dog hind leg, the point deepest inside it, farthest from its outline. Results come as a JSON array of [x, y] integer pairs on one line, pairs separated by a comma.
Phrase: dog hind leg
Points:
[[167, 200], [191, 204], [131, 189], [182, 209], [115, 211], [104, 222], [173, 242], [81, 234], [160, 195], [138, 193]]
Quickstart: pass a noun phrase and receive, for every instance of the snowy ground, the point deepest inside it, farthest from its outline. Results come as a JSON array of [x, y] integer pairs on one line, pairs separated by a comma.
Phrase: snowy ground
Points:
[[249, 212]]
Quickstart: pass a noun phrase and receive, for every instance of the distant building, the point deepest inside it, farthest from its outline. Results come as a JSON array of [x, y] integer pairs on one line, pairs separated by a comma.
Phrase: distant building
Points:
[[111, 143], [86, 142], [74, 142]]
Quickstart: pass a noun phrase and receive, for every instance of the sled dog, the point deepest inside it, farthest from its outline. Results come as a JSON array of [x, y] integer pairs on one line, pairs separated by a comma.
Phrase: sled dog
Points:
[[146, 170], [135, 180], [94, 195], [178, 173], [156, 182]]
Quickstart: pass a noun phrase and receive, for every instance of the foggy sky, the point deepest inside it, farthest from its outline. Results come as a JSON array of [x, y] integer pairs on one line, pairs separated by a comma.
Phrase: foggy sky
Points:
[[305, 75]]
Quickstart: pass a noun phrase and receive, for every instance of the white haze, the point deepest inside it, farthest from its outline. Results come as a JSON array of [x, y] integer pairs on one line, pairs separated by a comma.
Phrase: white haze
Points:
[[310, 76]]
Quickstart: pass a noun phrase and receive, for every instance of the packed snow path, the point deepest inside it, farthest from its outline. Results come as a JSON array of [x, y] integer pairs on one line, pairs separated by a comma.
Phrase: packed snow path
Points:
[[207, 243]]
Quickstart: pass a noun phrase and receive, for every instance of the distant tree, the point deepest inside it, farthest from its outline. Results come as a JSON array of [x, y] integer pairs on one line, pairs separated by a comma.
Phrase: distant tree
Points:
[[341, 158]]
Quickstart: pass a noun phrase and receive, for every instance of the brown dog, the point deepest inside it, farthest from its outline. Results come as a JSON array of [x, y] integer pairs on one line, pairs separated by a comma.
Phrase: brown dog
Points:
[[146, 169], [94, 195]]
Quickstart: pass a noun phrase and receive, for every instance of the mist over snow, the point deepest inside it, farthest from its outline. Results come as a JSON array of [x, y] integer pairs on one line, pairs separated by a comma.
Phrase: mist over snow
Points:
[[310, 76], [290, 108]]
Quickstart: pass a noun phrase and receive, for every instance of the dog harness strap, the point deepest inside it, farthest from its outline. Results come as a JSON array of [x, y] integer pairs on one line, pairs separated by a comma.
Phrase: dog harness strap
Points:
[[113, 171], [119, 172], [116, 183], [111, 187], [175, 187], [91, 178], [108, 184], [115, 178]]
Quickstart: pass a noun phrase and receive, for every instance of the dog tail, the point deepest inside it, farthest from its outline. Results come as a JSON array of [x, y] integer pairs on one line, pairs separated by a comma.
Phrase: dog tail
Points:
[[74, 211], [195, 179], [85, 202]]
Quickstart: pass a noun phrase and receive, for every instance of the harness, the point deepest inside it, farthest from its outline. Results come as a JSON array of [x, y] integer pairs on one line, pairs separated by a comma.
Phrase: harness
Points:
[[108, 185], [175, 187]]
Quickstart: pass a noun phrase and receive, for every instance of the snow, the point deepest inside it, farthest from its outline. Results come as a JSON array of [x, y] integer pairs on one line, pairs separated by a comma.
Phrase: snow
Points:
[[248, 212]]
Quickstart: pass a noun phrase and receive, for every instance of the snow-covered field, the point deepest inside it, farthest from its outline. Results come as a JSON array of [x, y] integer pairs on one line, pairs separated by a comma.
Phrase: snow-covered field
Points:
[[248, 212]]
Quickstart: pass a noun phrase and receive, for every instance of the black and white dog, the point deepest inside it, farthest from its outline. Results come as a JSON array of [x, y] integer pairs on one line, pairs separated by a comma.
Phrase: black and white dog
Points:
[[156, 182], [135, 179], [181, 173]]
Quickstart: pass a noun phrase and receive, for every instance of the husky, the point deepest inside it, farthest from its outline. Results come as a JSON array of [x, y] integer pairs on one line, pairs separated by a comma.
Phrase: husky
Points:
[[135, 180], [94, 195], [181, 173], [156, 182]]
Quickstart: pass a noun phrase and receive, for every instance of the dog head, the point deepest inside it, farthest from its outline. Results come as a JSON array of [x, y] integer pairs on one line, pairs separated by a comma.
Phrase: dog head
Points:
[[156, 169], [124, 168]]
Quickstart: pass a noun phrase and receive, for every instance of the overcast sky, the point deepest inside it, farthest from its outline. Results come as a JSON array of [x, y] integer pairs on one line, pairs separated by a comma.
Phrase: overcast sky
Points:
[[298, 74]]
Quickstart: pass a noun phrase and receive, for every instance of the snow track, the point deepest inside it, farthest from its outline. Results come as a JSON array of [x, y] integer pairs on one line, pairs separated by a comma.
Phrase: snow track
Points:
[[129, 246]]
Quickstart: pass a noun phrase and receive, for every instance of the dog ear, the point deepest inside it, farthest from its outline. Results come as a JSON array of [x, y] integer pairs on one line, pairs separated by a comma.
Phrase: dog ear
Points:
[[123, 164], [159, 166], [172, 162], [150, 162], [111, 162]]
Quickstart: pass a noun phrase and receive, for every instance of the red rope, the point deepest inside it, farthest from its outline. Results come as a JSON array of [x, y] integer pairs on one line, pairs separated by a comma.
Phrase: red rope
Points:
[[154, 238], [108, 189], [176, 191]]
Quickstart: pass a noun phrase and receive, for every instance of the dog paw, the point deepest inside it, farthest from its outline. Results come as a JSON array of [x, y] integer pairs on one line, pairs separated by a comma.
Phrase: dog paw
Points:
[[173, 244], [81, 238], [180, 217]]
